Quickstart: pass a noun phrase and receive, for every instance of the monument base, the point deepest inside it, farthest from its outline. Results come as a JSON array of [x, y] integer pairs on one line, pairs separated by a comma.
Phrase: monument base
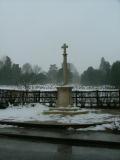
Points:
[[68, 111], [64, 96]]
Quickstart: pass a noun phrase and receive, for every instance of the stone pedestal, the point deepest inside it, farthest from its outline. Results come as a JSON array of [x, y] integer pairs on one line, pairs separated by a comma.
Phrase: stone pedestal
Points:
[[64, 96]]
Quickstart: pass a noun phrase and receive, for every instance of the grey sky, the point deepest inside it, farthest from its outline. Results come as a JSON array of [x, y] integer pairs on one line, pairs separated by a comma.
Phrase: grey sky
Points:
[[34, 30]]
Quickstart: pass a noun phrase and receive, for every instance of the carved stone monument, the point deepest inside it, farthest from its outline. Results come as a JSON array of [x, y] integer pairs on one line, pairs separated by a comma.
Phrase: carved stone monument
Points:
[[65, 69], [64, 97]]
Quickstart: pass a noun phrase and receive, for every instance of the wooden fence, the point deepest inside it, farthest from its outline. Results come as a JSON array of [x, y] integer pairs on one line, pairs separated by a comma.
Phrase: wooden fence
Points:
[[93, 99], [102, 99]]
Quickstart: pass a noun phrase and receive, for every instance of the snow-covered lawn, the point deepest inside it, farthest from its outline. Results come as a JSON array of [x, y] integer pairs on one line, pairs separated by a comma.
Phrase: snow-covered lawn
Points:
[[36, 114], [52, 87], [23, 113]]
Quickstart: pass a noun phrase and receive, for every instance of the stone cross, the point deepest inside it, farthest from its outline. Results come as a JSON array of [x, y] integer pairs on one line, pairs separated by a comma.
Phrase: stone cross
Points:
[[65, 70]]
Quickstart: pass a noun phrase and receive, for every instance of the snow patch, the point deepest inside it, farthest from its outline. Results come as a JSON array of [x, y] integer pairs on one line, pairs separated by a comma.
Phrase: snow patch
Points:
[[36, 114]]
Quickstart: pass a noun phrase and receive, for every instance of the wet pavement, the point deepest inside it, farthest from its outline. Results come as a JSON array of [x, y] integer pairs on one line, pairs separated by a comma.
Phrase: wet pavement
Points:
[[14, 149], [58, 133]]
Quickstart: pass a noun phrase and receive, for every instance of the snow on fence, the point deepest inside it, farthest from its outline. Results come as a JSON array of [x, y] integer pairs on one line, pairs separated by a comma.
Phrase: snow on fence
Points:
[[95, 99]]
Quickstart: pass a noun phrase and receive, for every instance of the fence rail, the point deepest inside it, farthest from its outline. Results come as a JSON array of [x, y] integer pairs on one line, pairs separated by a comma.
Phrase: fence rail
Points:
[[91, 99], [97, 98]]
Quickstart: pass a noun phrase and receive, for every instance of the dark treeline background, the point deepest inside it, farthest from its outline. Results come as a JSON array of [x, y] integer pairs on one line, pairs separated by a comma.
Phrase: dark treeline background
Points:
[[14, 74], [106, 74]]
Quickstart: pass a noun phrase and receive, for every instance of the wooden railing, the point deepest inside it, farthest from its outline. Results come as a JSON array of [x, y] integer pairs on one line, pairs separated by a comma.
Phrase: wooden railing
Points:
[[102, 99], [16, 97], [99, 99]]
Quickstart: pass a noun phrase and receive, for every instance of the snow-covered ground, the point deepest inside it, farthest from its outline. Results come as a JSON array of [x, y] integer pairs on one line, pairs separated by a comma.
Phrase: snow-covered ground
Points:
[[52, 87], [36, 114], [46, 87]]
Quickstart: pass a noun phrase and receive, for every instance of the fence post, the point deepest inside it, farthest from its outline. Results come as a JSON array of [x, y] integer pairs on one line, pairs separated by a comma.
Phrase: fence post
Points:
[[76, 99], [119, 97], [97, 98], [39, 97]]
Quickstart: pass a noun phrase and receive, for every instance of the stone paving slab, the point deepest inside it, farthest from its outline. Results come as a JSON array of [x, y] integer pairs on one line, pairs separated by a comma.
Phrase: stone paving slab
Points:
[[51, 124], [67, 134]]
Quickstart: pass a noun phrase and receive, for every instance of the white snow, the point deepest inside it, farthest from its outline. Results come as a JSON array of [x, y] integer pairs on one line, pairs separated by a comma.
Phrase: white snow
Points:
[[101, 127], [22, 113], [7, 126], [36, 114], [53, 87], [46, 87]]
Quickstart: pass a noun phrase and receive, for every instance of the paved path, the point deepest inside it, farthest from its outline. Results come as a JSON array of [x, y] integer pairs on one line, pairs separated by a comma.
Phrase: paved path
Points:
[[14, 149], [57, 133]]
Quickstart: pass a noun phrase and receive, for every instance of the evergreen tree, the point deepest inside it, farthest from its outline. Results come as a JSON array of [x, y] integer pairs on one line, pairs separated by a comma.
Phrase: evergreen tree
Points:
[[115, 74]]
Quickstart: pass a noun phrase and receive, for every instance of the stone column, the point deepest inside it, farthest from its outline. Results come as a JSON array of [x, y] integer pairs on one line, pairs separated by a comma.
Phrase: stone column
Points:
[[65, 69], [64, 97]]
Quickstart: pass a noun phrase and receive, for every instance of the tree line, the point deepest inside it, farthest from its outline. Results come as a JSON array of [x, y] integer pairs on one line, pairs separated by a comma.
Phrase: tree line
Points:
[[14, 74], [106, 74]]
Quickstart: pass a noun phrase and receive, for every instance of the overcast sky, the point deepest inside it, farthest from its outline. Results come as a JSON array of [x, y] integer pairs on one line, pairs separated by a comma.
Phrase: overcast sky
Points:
[[34, 31]]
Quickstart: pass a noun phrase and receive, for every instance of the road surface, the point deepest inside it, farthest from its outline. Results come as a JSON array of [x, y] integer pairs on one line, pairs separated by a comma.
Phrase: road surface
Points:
[[17, 149]]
